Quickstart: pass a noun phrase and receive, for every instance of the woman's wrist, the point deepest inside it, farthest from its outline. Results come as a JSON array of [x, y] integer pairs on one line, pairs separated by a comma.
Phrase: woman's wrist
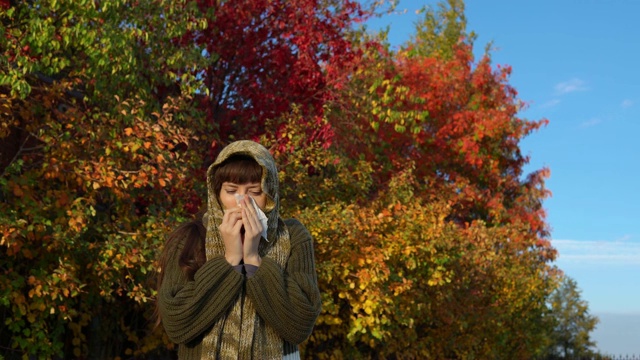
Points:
[[233, 260], [254, 260]]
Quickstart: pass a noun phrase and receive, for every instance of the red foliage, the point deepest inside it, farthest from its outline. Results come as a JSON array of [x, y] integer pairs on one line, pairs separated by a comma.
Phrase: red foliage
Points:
[[267, 55], [472, 136], [457, 121]]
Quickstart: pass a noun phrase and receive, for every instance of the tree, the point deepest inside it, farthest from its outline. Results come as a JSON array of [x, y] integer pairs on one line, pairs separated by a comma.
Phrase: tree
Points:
[[95, 167], [572, 323], [429, 139], [107, 127]]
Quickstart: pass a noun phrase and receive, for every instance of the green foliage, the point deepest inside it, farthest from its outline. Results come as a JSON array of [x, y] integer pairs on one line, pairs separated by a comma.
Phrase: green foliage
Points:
[[572, 323], [442, 30], [121, 47], [96, 154]]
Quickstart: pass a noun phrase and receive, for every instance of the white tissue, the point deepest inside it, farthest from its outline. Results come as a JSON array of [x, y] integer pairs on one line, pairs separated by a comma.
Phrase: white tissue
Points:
[[262, 217]]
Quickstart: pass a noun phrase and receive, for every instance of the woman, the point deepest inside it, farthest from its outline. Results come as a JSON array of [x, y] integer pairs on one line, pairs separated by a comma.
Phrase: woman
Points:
[[248, 297]]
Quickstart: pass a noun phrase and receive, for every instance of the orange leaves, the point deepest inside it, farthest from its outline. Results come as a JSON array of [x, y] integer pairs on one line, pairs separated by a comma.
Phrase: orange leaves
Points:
[[373, 254], [17, 190], [88, 185], [132, 157], [76, 223], [13, 247], [469, 130], [396, 262], [86, 171]]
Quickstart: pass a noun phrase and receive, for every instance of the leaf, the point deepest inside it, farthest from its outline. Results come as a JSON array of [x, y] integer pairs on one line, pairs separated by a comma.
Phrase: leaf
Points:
[[17, 190]]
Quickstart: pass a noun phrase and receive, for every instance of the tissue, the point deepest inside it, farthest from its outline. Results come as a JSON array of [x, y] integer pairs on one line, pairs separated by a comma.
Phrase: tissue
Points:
[[262, 217]]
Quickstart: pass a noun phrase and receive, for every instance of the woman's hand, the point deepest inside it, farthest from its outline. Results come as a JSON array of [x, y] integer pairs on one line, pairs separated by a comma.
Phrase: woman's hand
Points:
[[230, 230], [252, 232]]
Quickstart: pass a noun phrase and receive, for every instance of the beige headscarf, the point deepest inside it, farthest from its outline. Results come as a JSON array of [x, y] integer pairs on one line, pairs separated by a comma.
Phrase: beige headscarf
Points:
[[241, 333]]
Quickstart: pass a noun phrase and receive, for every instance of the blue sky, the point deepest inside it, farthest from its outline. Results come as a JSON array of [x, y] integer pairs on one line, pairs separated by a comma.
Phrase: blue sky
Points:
[[576, 63]]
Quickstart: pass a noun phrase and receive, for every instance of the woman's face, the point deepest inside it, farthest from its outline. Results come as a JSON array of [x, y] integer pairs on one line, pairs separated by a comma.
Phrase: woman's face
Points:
[[229, 190]]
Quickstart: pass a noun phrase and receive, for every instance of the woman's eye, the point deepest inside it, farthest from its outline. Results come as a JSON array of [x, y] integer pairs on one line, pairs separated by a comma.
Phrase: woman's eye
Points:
[[256, 193]]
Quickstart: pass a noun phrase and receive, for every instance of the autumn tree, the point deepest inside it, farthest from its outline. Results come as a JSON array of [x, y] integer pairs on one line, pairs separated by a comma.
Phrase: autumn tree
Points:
[[432, 242], [96, 154]]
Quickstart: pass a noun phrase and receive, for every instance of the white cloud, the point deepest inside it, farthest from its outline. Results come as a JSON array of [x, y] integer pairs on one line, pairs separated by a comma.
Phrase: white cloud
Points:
[[625, 238], [586, 252], [590, 123], [570, 86], [550, 103], [626, 103]]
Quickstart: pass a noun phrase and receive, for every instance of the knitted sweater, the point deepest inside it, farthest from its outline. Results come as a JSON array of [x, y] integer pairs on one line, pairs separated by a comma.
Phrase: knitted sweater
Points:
[[286, 299]]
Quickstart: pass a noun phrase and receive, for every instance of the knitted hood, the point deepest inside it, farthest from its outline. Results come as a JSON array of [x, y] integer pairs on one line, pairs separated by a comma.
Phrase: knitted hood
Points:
[[269, 181]]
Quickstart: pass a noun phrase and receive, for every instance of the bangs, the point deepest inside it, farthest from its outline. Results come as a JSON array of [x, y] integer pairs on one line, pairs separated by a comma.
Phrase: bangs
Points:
[[238, 169]]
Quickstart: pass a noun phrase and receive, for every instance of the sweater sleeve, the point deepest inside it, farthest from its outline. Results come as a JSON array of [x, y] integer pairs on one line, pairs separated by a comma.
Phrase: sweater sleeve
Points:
[[189, 308], [289, 299]]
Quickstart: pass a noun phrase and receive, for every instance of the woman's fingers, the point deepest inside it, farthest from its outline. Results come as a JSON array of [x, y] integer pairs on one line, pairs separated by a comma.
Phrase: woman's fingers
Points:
[[231, 221], [232, 214], [230, 232], [249, 212], [244, 215]]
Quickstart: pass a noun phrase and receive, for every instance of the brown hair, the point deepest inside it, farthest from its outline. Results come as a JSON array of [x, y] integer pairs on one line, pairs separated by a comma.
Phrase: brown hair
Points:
[[192, 256], [238, 169]]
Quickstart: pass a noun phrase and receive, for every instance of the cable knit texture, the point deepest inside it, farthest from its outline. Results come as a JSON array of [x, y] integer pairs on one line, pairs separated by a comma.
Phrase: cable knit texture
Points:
[[222, 314]]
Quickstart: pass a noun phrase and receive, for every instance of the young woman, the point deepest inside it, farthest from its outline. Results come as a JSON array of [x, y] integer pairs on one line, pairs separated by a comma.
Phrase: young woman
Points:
[[236, 294]]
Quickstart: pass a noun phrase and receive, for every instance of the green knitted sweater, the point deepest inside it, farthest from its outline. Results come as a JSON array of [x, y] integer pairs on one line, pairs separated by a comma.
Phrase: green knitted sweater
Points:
[[287, 299]]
